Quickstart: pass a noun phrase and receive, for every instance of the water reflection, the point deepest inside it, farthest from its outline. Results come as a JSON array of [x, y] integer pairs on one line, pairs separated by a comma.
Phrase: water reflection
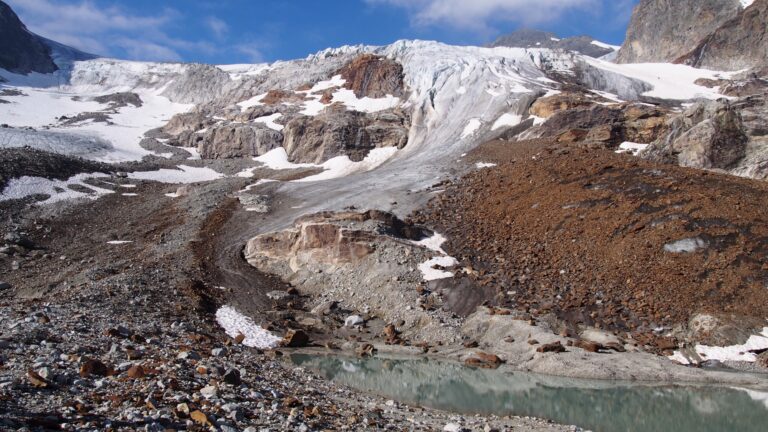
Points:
[[597, 405]]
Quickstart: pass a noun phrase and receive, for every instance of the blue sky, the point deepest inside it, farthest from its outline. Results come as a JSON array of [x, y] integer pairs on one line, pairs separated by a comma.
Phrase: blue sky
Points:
[[247, 31]]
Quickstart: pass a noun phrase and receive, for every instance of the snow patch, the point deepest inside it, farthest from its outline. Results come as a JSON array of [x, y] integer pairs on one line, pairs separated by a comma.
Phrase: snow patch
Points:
[[435, 243], [605, 45], [58, 190], [184, 174], [119, 242], [632, 148], [481, 165], [252, 102], [507, 120], [270, 121], [235, 323], [743, 352], [472, 126]]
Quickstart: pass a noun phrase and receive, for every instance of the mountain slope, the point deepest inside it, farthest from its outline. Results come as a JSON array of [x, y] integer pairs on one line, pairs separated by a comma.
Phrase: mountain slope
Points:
[[526, 38], [663, 30], [21, 51]]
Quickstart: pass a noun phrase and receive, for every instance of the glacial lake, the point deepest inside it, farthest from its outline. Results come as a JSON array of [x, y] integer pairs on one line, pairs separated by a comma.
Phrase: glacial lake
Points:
[[600, 406]]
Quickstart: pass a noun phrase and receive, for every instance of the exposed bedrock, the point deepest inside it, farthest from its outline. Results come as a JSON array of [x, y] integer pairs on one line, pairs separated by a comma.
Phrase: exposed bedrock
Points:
[[707, 135], [579, 118], [365, 261], [373, 76], [237, 140], [739, 43], [663, 30], [336, 131]]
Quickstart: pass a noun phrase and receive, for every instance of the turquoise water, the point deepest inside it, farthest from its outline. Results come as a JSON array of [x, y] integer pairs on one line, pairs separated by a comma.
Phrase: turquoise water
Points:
[[596, 405]]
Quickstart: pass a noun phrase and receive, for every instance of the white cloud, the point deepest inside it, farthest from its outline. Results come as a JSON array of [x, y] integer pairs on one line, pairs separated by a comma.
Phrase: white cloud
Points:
[[218, 27], [476, 15], [251, 51]]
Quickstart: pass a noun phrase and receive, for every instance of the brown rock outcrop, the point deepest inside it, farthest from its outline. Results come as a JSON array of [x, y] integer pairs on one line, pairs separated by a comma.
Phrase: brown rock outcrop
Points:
[[545, 107], [327, 239], [609, 125], [373, 76]]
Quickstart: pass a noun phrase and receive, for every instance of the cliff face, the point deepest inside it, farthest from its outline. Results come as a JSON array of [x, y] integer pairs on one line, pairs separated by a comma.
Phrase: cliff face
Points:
[[740, 43], [665, 30], [21, 51]]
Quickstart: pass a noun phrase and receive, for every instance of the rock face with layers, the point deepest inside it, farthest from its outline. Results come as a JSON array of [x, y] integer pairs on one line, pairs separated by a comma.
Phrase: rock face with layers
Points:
[[739, 43], [336, 131], [373, 76], [21, 51], [707, 135], [664, 30]]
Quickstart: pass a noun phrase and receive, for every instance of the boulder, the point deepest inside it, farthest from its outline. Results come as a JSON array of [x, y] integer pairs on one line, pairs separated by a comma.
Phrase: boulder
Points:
[[709, 134], [295, 339], [483, 360]]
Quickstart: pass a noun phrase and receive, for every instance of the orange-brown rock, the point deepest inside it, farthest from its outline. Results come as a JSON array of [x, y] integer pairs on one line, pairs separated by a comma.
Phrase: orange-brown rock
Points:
[[483, 360], [373, 76], [545, 107]]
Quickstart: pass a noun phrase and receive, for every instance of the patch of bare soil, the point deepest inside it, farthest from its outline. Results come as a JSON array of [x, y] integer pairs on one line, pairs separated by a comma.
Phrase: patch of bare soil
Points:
[[591, 236]]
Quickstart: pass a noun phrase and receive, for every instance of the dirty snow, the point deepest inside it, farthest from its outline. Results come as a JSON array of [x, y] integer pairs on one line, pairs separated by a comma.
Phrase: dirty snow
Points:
[[270, 121], [431, 273], [507, 120], [688, 245], [729, 353], [184, 174], [252, 102], [435, 243], [58, 190], [235, 323], [341, 166]]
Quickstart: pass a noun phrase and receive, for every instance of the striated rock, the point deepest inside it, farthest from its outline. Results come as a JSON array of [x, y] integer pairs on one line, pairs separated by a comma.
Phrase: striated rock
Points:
[[373, 76], [664, 30], [336, 131], [739, 43], [237, 141], [709, 134]]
